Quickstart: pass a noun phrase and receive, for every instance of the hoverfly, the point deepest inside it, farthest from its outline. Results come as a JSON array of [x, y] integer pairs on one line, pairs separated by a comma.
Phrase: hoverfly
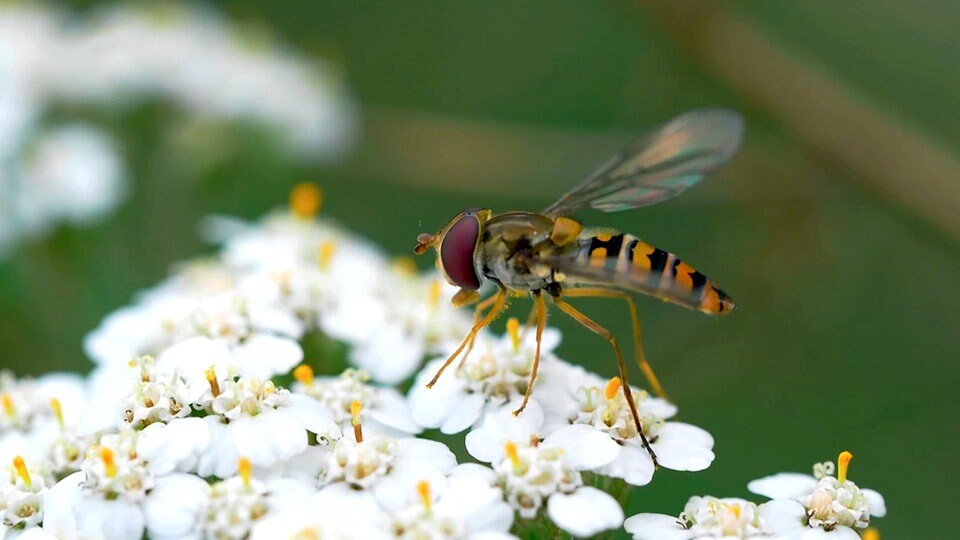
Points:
[[549, 254]]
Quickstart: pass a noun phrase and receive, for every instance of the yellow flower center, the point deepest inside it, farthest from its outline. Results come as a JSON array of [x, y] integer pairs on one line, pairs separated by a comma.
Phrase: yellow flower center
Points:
[[212, 381], [843, 463], [325, 253], [8, 408], [109, 465], [245, 470], [304, 374], [22, 472], [423, 489], [305, 200], [613, 386], [513, 329], [511, 449], [355, 408]]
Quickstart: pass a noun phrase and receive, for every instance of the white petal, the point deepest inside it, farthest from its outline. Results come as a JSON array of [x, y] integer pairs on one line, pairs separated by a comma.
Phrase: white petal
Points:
[[633, 464], [192, 356], [313, 416], [390, 357], [875, 503], [486, 442], [175, 504], [463, 414], [840, 533], [262, 356], [655, 527], [585, 512], [683, 447], [431, 406], [583, 446], [434, 453], [166, 447], [783, 485], [220, 457], [474, 470], [394, 412], [782, 516]]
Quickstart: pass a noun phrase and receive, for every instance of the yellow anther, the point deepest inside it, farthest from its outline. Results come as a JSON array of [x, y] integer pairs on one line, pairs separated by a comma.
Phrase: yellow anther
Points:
[[433, 296], [211, 374], [511, 450], [613, 386], [305, 200], [405, 266], [304, 374], [57, 411], [355, 408], [8, 408], [423, 489], [325, 253], [513, 330], [843, 462], [735, 508], [245, 470], [109, 465], [871, 534], [22, 472]]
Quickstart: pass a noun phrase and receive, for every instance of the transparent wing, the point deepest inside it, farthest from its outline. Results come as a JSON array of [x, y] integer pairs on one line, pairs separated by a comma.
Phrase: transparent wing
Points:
[[662, 164]]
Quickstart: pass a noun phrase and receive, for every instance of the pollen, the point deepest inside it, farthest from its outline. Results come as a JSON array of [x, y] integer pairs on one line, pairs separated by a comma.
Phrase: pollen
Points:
[[21, 468], [613, 386], [325, 253], [245, 470], [511, 449], [57, 411], [735, 508], [423, 489], [8, 408], [212, 380], [513, 329], [109, 464], [433, 295], [843, 463], [305, 200], [871, 534], [304, 374], [355, 408], [405, 266]]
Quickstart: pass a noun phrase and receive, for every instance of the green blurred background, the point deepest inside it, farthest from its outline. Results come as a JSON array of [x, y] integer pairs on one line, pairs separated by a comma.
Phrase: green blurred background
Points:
[[835, 228]]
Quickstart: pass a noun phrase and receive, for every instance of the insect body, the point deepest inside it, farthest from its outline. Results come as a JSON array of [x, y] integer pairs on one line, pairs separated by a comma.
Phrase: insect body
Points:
[[548, 254]]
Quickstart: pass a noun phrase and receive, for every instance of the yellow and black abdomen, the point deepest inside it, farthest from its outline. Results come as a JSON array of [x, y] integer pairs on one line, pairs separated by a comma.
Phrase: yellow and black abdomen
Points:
[[624, 261]]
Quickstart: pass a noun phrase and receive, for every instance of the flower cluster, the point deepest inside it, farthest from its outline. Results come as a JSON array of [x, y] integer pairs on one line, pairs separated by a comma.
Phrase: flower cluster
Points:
[[125, 54], [206, 416]]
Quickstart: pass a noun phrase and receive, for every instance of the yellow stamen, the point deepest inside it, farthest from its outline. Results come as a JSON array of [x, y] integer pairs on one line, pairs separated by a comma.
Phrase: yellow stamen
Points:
[[304, 374], [22, 471], [212, 380], [423, 489], [613, 386], [511, 450], [245, 470], [433, 297], [305, 200], [8, 408], [843, 462], [735, 508], [513, 329], [355, 408], [109, 465], [871, 534], [57, 411], [405, 266], [325, 253]]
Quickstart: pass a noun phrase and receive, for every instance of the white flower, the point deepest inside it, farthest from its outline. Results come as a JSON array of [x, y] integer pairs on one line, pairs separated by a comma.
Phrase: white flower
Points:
[[183, 504], [71, 510], [22, 486], [604, 408], [37, 414], [495, 371], [469, 505], [833, 503], [336, 512], [384, 409], [710, 517]]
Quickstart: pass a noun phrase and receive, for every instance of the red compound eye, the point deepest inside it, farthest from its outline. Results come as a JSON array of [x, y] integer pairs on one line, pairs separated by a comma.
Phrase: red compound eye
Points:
[[456, 252]]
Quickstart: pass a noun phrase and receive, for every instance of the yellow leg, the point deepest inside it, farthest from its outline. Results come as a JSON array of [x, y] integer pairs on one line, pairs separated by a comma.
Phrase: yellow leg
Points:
[[477, 315], [498, 304], [604, 333], [540, 310], [637, 342]]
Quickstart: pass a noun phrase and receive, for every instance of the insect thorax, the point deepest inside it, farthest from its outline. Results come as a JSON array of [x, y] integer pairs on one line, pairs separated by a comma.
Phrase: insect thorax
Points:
[[509, 243]]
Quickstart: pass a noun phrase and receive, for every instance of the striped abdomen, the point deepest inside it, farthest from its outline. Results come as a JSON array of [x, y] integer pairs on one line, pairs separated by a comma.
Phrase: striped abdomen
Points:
[[626, 261]]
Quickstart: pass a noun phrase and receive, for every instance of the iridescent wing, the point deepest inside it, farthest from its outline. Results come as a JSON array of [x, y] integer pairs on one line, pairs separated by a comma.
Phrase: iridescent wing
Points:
[[660, 165]]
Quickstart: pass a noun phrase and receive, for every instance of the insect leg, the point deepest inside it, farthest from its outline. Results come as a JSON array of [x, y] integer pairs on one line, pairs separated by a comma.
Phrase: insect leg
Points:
[[604, 333], [540, 310], [498, 305], [476, 319], [637, 342]]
